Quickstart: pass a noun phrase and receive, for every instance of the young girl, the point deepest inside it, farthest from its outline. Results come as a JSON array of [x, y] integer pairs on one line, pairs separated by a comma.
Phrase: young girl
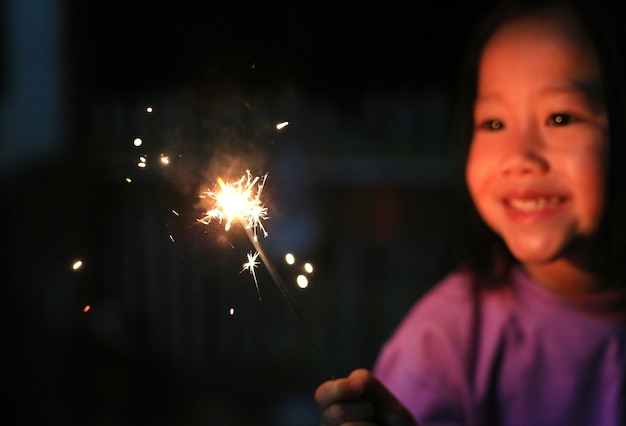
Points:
[[537, 334]]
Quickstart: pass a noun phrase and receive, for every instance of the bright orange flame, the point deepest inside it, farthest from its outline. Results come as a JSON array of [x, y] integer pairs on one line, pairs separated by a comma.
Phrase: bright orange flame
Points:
[[238, 201]]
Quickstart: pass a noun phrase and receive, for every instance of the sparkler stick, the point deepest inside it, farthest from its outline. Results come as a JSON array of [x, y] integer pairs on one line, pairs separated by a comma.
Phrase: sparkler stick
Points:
[[236, 201], [283, 289]]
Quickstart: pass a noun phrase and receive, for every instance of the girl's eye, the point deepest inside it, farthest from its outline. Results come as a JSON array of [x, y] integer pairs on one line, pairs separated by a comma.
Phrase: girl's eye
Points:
[[560, 119], [492, 125]]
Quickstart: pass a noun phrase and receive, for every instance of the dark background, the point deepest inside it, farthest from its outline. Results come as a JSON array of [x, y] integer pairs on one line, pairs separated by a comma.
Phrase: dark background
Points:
[[359, 184]]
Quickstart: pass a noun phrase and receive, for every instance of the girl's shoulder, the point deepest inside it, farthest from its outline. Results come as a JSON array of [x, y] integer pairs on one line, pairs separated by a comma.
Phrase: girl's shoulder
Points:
[[453, 305]]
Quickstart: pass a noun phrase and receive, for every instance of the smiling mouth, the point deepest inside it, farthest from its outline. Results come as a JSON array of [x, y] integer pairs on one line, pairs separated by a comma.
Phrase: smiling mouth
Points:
[[535, 204]]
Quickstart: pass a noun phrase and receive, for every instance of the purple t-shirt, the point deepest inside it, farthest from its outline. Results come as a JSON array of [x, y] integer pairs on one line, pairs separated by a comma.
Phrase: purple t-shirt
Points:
[[517, 355]]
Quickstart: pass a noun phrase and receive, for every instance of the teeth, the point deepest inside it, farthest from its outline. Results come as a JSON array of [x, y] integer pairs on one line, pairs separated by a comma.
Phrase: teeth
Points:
[[534, 204]]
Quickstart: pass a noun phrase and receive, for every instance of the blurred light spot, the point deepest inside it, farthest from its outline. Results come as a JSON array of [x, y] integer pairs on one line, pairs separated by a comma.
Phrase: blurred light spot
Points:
[[231, 311], [149, 110], [302, 281], [165, 159], [77, 264], [308, 267], [129, 180], [137, 142], [86, 308], [282, 125], [290, 259]]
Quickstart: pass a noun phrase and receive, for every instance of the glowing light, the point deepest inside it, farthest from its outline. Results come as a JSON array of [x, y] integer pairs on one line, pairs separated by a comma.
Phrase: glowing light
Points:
[[86, 308], [141, 165], [231, 311], [282, 125], [137, 142], [238, 201], [308, 267], [129, 180], [290, 259], [77, 265], [250, 265], [175, 212], [302, 281], [149, 110], [165, 159], [172, 238]]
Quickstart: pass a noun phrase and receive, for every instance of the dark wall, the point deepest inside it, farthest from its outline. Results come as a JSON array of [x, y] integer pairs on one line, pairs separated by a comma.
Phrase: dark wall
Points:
[[359, 184]]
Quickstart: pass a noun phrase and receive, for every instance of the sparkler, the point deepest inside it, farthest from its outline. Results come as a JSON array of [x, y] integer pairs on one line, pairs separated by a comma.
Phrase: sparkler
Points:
[[241, 201]]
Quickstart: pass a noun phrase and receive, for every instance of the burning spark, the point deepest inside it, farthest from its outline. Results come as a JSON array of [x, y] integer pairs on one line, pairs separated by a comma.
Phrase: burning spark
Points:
[[129, 180], [282, 125], [175, 212], [172, 238], [77, 265], [238, 201], [165, 159], [250, 265], [86, 308]]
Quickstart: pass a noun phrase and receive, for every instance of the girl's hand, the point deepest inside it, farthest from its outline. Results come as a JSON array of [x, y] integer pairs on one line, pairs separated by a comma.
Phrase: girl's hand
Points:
[[360, 400]]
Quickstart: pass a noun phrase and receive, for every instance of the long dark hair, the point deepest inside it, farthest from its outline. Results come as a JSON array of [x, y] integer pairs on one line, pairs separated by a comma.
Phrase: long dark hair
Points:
[[477, 247]]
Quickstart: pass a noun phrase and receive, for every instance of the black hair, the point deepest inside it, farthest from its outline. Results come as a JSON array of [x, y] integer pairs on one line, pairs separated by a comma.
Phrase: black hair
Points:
[[476, 246]]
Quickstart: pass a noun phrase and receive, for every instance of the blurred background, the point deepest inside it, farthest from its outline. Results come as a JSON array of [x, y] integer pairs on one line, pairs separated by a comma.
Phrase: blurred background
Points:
[[120, 308]]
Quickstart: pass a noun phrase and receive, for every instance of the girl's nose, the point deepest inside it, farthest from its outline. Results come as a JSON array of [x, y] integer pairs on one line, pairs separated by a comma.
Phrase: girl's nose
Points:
[[525, 154]]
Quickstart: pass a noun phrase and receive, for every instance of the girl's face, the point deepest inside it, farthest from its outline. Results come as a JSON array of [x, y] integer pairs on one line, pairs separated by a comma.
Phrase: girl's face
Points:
[[536, 166]]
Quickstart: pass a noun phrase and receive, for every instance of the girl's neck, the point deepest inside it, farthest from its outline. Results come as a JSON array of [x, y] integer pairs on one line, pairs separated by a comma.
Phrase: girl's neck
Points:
[[592, 293], [569, 279]]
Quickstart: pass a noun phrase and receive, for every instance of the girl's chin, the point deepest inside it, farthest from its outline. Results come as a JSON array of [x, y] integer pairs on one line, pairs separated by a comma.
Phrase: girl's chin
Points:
[[534, 253]]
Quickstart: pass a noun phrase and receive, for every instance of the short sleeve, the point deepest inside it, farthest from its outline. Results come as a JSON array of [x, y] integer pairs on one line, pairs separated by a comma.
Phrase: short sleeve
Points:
[[424, 363]]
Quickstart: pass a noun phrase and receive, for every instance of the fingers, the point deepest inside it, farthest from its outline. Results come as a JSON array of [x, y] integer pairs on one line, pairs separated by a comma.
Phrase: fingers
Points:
[[358, 400], [341, 402], [352, 413], [340, 390]]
